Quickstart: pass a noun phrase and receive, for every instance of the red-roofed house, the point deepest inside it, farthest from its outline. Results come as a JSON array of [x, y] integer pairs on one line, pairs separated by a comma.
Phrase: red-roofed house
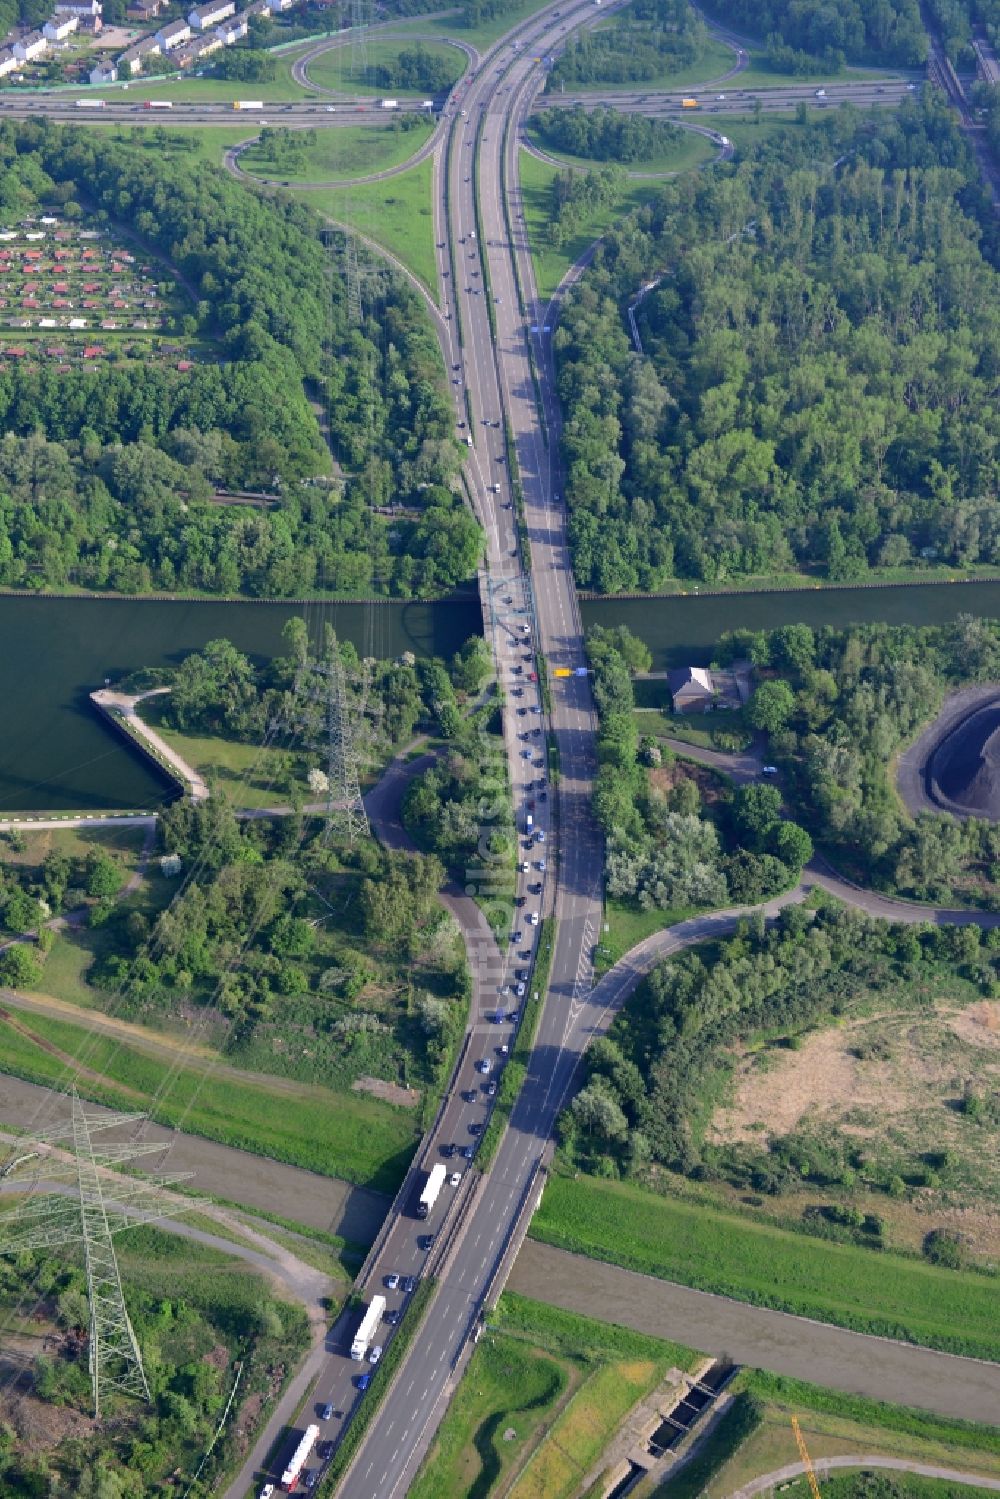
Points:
[[93, 351]]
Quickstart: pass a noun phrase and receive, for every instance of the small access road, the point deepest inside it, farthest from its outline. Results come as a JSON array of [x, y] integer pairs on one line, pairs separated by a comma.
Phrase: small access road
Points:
[[781, 1477]]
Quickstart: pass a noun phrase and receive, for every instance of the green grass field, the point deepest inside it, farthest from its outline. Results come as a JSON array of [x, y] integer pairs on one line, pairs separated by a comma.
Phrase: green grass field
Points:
[[208, 90], [206, 144], [551, 265], [715, 1251], [251, 775], [345, 73], [560, 1382], [350, 1135], [480, 37], [689, 152], [627, 926], [346, 151], [396, 213]]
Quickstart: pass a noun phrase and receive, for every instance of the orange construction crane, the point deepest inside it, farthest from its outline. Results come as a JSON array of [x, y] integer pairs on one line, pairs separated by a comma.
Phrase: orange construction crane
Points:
[[806, 1459]]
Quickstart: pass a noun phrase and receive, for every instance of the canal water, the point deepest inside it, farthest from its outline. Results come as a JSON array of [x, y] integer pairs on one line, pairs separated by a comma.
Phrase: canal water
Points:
[[56, 754], [683, 630]]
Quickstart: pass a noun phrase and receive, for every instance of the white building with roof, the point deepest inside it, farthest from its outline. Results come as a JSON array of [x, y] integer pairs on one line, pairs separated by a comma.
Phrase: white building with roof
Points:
[[204, 17]]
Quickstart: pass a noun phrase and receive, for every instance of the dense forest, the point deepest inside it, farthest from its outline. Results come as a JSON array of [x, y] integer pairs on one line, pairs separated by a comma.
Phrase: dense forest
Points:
[[957, 20], [650, 38], [817, 390], [605, 134], [841, 703], [131, 454], [414, 68], [676, 837], [863, 31]]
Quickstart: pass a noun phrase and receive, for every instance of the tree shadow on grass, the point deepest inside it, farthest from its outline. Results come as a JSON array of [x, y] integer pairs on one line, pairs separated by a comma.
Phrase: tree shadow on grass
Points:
[[490, 1433]]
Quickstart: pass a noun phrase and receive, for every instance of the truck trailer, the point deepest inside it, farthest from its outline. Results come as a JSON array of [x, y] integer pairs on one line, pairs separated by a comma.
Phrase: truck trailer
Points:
[[248, 104], [368, 1328], [297, 1461], [158, 104], [429, 1195], [689, 104], [389, 103], [91, 103]]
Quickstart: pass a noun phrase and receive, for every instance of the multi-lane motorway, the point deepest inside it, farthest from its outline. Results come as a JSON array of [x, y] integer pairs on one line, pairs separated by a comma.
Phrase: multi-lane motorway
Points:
[[483, 257]]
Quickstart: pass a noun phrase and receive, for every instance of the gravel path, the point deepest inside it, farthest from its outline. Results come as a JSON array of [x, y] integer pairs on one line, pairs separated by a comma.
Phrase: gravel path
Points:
[[895, 1464]]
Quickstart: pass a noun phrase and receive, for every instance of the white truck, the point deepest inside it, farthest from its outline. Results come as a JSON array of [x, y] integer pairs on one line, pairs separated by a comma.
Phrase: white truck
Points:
[[429, 1195], [248, 104], [389, 103], [297, 1461], [368, 1328], [91, 103]]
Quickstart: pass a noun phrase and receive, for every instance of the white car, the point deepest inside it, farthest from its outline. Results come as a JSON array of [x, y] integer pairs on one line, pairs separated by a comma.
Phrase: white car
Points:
[[533, 918], [455, 1179], [267, 1491], [375, 1354]]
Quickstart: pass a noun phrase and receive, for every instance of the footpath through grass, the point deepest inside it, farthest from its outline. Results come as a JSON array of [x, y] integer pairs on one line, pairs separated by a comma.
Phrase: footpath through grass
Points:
[[341, 152], [544, 1392], [344, 1134], [536, 184], [396, 213], [880, 1293]]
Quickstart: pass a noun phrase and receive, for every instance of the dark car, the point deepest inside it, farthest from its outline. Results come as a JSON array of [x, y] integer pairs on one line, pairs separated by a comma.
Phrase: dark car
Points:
[[475, 1128], [393, 1317], [409, 1284], [468, 1151], [324, 1451], [363, 1381], [426, 1241], [470, 1095], [519, 900], [447, 1151]]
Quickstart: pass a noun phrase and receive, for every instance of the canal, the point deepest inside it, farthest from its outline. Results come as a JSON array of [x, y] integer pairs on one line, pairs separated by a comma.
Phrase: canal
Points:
[[55, 752], [683, 630], [56, 755]]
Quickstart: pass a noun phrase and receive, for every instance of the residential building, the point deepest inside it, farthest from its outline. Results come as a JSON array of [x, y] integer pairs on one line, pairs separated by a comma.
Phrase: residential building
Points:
[[144, 10], [29, 47], [105, 72], [204, 17], [131, 60], [60, 27], [691, 687], [231, 31], [258, 8], [81, 8], [8, 62], [173, 34]]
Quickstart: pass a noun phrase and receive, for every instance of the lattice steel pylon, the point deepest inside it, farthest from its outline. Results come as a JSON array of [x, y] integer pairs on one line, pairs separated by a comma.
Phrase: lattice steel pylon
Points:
[[330, 725], [51, 1217]]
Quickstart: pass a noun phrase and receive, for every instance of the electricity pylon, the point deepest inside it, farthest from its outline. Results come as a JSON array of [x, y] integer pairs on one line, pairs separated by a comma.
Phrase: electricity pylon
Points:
[[331, 721], [70, 1189]]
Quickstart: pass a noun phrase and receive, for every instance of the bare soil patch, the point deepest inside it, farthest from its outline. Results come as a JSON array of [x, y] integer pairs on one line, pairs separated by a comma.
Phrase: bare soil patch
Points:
[[405, 1098]]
